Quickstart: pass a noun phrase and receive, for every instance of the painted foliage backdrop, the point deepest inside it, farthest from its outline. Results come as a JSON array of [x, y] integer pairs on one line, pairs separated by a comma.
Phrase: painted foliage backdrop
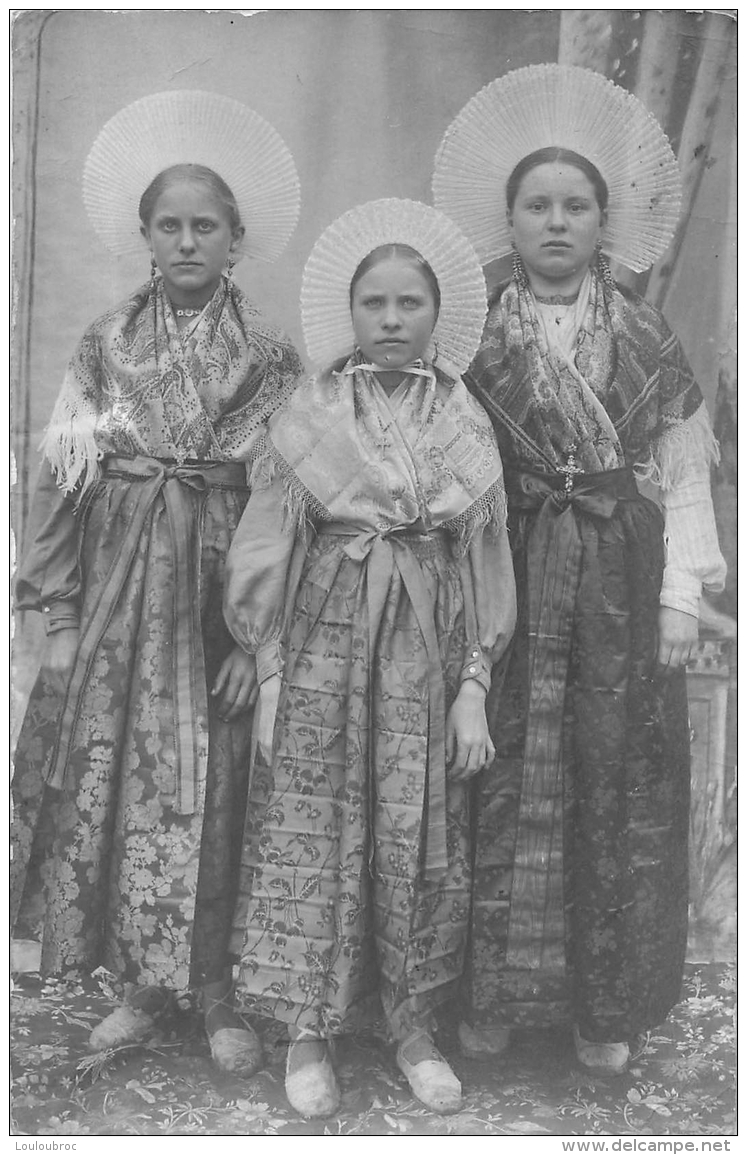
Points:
[[362, 98]]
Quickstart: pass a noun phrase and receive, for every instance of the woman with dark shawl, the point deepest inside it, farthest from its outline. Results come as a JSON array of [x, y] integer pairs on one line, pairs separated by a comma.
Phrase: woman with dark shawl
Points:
[[371, 576], [132, 764], [580, 889]]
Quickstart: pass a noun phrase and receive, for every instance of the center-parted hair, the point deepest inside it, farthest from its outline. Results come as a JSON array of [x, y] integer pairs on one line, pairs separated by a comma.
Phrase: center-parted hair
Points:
[[555, 155], [196, 172], [405, 252]]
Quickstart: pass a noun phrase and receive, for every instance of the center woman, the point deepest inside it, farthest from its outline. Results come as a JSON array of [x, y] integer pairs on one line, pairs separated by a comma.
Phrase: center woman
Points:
[[371, 576]]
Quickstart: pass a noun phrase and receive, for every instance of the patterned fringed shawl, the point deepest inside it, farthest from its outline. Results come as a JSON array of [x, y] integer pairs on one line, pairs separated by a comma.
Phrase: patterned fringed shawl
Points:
[[345, 455], [136, 385], [630, 398]]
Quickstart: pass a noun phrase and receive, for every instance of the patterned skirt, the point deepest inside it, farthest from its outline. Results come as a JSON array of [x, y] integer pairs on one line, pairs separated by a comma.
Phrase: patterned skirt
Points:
[[338, 916], [106, 871], [580, 879]]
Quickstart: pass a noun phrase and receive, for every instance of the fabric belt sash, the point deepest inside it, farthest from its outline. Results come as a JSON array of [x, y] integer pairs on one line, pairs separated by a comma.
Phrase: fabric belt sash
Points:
[[157, 478], [385, 554], [554, 559]]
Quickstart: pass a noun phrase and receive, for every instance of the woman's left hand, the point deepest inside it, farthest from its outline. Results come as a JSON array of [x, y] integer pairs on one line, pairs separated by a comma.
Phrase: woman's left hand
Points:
[[236, 684], [468, 743], [678, 637]]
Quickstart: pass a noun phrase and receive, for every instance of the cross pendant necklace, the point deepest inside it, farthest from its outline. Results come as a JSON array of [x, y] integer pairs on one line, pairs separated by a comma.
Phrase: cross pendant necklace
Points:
[[570, 470]]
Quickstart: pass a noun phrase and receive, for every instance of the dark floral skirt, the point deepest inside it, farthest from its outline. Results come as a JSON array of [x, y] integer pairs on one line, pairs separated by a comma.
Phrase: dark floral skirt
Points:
[[105, 871]]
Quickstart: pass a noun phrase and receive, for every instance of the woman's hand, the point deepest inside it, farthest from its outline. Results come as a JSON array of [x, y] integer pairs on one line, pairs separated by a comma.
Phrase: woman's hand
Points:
[[468, 744], [58, 657], [264, 724], [678, 637], [236, 684]]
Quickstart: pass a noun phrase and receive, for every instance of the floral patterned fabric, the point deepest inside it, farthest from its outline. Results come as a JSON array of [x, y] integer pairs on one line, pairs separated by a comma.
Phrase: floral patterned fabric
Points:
[[136, 385], [112, 866], [429, 454], [628, 389], [680, 1082], [587, 921], [356, 879], [340, 910]]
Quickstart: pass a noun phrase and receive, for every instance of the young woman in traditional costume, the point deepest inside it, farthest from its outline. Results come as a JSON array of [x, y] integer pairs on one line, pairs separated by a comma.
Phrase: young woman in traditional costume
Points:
[[580, 895], [131, 772], [371, 577]]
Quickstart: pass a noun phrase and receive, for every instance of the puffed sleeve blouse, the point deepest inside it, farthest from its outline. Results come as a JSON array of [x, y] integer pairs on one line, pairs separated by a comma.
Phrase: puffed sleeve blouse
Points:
[[48, 578], [264, 570]]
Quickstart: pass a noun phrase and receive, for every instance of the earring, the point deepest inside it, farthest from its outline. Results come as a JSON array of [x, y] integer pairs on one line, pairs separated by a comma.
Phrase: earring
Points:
[[231, 264], [518, 271], [603, 268], [435, 353], [153, 268]]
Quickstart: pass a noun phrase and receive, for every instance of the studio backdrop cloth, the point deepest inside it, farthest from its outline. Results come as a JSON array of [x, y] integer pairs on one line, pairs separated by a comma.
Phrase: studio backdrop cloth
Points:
[[362, 99]]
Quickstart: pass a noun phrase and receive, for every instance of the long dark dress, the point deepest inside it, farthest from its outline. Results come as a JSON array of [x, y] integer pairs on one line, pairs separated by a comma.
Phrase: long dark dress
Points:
[[129, 794], [580, 892]]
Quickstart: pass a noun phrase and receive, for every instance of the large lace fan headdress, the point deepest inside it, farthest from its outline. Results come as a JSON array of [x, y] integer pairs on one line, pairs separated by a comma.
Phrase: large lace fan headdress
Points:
[[547, 105], [325, 290], [191, 127]]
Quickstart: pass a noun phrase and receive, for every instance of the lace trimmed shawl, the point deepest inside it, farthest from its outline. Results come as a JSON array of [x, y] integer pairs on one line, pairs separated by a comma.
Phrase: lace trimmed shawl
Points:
[[136, 385], [628, 396], [344, 455]]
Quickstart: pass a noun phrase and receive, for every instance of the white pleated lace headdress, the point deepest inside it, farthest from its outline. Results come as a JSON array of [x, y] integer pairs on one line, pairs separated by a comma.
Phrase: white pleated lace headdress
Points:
[[546, 105], [192, 127], [325, 291]]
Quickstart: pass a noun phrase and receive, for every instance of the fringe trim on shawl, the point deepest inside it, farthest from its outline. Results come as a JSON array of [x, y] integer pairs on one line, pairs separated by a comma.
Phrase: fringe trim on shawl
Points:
[[488, 511], [673, 455], [300, 507], [69, 442]]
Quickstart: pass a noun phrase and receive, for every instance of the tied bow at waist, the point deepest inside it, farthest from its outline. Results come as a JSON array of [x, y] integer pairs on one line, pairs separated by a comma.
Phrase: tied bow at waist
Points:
[[591, 493], [170, 481], [555, 548], [386, 553]]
